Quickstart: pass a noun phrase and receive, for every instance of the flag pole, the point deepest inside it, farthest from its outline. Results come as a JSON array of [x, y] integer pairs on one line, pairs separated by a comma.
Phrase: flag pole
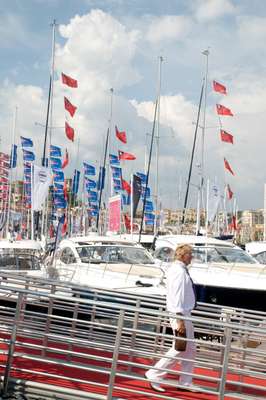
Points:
[[105, 156], [131, 207], [148, 172], [11, 169]]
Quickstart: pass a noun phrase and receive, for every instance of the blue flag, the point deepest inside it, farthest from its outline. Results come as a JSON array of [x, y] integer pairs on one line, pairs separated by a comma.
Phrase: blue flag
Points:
[[28, 155], [114, 160], [142, 176], [89, 169], [14, 156], [92, 196], [56, 163], [101, 179], [90, 184], [149, 206], [55, 151], [59, 176], [116, 172], [25, 142], [75, 185]]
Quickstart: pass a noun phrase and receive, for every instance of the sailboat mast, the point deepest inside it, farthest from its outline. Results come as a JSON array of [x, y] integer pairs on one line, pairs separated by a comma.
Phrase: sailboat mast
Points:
[[205, 53], [105, 156], [50, 98], [157, 137], [192, 157]]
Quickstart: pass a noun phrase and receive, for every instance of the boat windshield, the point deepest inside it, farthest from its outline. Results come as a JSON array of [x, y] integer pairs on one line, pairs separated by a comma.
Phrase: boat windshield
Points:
[[19, 259], [114, 254], [221, 254]]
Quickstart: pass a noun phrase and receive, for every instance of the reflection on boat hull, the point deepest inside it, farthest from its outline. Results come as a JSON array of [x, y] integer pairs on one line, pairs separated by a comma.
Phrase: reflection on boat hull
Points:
[[233, 297]]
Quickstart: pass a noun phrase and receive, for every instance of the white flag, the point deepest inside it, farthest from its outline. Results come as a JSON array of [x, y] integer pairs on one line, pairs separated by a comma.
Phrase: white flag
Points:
[[42, 179]]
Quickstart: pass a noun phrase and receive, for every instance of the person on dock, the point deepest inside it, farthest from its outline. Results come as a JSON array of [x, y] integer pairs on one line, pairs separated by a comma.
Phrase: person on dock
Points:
[[180, 300]]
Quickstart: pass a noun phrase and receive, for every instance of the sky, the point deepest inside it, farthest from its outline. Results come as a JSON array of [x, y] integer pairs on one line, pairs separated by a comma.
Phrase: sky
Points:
[[118, 44]]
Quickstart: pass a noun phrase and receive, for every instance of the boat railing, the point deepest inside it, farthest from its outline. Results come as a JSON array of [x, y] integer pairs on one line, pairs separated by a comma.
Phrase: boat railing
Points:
[[56, 342]]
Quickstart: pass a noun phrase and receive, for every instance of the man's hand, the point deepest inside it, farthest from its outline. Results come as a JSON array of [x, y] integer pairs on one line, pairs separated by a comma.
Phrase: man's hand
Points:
[[181, 329]]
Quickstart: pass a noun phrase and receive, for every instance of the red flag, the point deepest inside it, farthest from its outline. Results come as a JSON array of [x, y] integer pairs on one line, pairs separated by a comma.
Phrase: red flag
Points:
[[127, 222], [229, 192], [3, 172], [3, 188], [64, 227], [66, 160], [233, 224], [69, 107], [126, 186], [226, 137], [125, 156], [121, 135], [4, 164], [227, 166], [218, 87], [3, 180], [222, 110], [4, 156], [51, 231], [69, 81], [69, 132]]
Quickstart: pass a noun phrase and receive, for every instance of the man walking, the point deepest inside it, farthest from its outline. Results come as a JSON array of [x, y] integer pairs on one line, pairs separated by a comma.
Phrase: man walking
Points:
[[180, 301]]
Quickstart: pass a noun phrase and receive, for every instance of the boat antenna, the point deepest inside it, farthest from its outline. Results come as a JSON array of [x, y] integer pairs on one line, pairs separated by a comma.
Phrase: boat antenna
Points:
[[192, 157], [102, 177], [148, 171]]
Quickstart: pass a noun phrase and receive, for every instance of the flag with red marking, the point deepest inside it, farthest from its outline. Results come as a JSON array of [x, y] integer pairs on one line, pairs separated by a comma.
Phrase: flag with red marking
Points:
[[218, 87], [67, 80], [222, 110]]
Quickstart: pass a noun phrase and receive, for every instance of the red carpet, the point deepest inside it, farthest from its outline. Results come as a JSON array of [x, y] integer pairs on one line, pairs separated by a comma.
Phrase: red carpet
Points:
[[78, 373]]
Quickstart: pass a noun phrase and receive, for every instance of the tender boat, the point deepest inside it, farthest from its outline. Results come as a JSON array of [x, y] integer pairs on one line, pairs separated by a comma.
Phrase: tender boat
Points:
[[222, 272]]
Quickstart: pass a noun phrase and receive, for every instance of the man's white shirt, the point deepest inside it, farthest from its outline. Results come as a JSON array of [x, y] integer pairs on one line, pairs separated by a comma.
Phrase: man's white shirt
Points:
[[180, 293]]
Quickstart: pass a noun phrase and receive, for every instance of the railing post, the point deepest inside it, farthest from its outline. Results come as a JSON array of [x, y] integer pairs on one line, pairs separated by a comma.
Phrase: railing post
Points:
[[12, 343], [226, 354], [133, 337], [115, 354]]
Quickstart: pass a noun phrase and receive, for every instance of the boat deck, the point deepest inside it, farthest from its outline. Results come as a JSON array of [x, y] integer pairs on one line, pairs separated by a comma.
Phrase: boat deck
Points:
[[56, 346]]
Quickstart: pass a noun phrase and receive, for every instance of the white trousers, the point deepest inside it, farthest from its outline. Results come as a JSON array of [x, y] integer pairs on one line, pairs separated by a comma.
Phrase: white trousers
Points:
[[169, 360]]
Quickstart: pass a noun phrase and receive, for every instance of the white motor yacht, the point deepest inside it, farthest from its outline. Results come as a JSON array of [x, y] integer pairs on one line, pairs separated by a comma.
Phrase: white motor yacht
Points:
[[108, 262], [22, 257], [222, 272]]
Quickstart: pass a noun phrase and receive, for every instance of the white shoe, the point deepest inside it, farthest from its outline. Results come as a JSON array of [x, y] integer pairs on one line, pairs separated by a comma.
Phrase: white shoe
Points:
[[155, 386]]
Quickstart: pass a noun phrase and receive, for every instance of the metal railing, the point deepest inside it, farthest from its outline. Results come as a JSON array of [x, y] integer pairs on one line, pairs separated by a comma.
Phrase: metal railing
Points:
[[92, 343]]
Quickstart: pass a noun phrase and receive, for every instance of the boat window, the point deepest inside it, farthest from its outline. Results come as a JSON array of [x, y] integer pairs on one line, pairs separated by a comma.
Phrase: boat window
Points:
[[261, 257], [229, 255], [165, 254], [114, 254], [18, 261], [67, 256]]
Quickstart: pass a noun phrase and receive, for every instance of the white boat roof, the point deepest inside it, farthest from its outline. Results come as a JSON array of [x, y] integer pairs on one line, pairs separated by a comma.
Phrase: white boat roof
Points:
[[255, 247], [20, 244], [174, 240], [85, 240]]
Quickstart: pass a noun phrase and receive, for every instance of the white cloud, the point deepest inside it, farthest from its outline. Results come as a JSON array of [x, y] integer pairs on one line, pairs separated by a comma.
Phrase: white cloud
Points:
[[169, 27], [99, 49], [252, 30], [212, 9]]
